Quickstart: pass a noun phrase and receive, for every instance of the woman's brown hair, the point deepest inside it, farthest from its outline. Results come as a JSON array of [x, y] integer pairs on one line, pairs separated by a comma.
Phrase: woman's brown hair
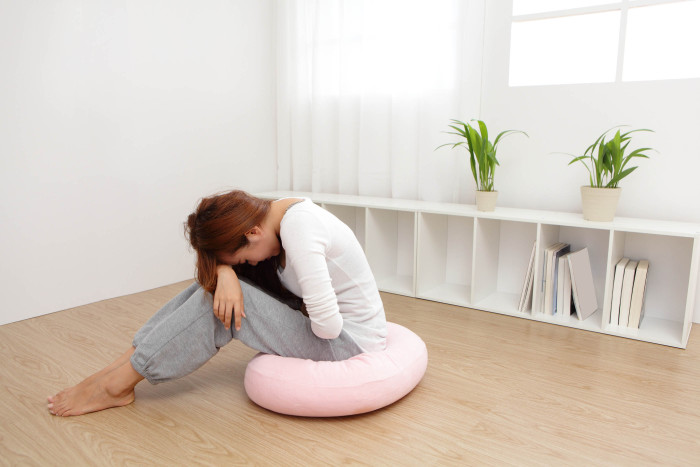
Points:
[[219, 224]]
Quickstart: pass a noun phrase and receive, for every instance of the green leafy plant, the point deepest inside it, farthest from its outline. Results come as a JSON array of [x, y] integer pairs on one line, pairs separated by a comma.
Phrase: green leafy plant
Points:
[[606, 161], [482, 153]]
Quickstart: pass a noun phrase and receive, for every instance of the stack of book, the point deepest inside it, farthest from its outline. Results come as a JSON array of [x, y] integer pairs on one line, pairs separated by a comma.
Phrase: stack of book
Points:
[[566, 285], [629, 286]]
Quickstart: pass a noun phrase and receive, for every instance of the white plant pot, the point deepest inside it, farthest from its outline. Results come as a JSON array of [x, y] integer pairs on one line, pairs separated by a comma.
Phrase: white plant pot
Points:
[[486, 200], [599, 204]]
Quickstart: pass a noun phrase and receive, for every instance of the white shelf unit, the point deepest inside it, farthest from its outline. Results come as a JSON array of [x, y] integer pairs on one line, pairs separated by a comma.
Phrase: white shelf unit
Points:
[[454, 254]]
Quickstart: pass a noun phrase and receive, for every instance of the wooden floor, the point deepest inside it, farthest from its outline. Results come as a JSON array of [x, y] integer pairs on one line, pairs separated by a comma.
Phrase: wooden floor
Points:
[[498, 390]]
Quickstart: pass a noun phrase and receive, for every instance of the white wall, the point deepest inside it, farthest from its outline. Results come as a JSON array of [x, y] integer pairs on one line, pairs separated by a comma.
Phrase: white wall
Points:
[[115, 117], [568, 118]]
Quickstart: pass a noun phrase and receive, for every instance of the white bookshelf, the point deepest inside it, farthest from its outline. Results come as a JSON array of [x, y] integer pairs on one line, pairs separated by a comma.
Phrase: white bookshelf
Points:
[[454, 254]]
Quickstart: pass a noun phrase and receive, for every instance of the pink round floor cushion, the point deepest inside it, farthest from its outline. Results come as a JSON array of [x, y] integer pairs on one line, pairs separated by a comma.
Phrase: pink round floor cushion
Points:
[[360, 384]]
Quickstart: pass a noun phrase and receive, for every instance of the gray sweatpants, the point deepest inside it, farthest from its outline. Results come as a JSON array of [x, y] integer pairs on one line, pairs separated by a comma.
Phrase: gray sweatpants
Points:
[[185, 334]]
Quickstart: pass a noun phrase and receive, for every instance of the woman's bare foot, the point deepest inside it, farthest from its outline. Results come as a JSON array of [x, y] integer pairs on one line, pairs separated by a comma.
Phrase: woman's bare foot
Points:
[[103, 390]]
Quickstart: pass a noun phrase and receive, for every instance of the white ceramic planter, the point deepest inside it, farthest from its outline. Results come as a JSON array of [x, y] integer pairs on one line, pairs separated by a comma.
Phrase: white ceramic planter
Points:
[[486, 200], [599, 204]]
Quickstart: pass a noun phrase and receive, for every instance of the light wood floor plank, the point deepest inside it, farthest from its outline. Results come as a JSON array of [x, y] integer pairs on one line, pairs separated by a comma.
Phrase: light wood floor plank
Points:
[[498, 391]]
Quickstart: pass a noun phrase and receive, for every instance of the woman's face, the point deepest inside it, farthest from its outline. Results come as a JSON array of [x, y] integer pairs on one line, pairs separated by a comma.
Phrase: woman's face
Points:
[[262, 245]]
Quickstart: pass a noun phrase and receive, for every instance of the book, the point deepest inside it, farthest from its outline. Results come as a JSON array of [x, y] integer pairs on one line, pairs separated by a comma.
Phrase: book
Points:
[[617, 291], [556, 251], [543, 278], [548, 252], [638, 289], [546, 264], [626, 294], [559, 292], [557, 256], [564, 288], [582, 286], [526, 294]]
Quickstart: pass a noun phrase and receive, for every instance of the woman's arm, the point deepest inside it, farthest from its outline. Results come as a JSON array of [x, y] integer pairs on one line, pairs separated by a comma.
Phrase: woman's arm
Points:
[[318, 294], [228, 297], [306, 239]]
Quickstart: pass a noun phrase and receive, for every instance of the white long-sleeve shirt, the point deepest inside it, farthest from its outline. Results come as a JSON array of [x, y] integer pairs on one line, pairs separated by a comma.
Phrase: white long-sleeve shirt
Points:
[[326, 267]]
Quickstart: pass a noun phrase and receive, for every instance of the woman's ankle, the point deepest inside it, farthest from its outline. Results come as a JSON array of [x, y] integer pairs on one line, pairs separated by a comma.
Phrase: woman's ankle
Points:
[[122, 380]]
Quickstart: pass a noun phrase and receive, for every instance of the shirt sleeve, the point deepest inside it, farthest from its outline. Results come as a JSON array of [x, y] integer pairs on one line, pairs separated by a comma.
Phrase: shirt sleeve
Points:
[[305, 240]]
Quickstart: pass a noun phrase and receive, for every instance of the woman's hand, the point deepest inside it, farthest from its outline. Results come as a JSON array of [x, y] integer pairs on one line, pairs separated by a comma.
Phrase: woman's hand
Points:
[[228, 297]]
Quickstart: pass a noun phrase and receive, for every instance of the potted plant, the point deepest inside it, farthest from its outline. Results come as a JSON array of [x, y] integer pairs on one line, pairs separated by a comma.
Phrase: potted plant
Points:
[[607, 164], [482, 158]]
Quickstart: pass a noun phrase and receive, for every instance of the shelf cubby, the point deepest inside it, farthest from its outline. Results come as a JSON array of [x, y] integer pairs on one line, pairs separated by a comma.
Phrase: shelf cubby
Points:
[[502, 252], [669, 284], [597, 241], [390, 248], [444, 262]]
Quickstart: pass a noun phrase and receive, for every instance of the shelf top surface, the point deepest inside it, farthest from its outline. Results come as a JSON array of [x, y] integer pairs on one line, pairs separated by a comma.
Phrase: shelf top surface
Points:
[[623, 224]]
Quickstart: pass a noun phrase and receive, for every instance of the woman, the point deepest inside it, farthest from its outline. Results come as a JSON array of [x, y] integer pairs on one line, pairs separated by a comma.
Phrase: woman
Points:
[[284, 245]]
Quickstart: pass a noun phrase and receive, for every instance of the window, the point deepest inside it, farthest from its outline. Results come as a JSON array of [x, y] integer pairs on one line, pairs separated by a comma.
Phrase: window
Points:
[[594, 41], [561, 51], [663, 42]]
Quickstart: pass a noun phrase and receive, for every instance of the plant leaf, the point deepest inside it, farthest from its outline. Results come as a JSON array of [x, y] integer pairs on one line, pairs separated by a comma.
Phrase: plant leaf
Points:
[[615, 180], [503, 134]]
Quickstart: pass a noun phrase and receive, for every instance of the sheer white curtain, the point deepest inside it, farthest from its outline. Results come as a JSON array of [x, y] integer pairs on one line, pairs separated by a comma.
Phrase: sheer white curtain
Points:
[[365, 90]]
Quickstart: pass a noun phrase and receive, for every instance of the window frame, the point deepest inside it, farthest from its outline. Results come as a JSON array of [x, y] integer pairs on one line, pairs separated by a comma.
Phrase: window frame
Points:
[[623, 6]]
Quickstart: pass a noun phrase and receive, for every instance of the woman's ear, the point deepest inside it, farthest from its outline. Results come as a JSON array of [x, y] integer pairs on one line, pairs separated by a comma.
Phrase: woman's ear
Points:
[[254, 233]]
